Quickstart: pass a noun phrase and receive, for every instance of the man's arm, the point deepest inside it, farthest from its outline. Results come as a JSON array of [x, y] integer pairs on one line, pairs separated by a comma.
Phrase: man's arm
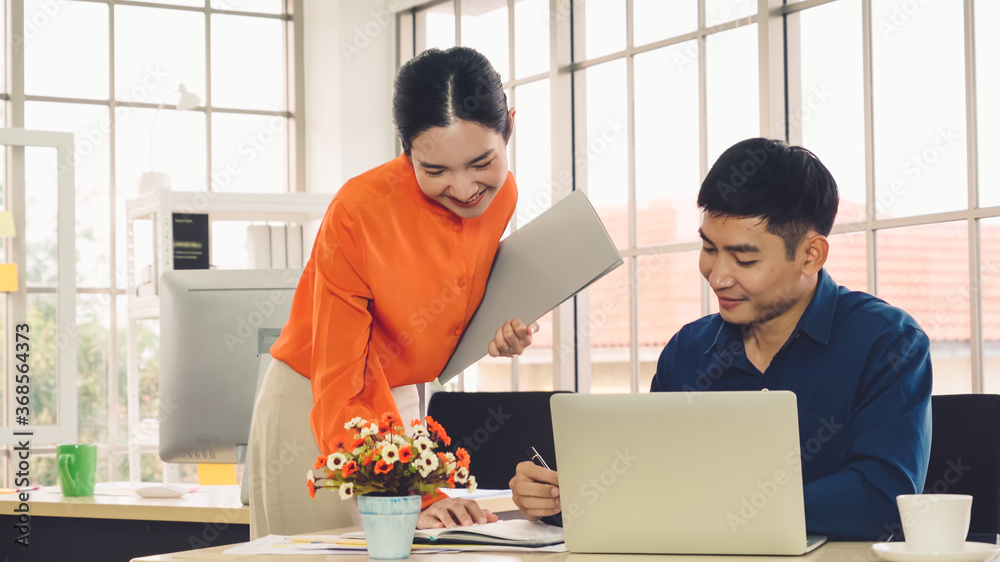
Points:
[[888, 445]]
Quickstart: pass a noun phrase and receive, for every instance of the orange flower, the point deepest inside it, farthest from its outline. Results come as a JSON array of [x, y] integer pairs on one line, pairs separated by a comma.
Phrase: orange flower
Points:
[[405, 454], [350, 468], [389, 421], [443, 458], [339, 442], [358, 441], [438, 430], [382, 467], [320, 462], [312, 488], [369, 457], [463, 457]]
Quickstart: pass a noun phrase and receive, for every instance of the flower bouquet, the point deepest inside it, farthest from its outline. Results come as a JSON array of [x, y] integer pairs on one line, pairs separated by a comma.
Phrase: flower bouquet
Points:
[[390, 469]]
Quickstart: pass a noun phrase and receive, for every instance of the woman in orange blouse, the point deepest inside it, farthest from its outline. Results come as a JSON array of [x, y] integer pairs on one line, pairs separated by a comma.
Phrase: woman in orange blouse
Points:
[[399, 266]]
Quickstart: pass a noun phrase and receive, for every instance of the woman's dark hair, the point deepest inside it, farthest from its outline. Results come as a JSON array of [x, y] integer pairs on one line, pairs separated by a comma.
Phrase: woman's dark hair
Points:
[[787, 186], [437, 88]]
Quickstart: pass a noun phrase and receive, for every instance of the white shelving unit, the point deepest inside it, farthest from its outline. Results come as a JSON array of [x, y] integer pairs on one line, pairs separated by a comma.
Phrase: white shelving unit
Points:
[[159, 206]]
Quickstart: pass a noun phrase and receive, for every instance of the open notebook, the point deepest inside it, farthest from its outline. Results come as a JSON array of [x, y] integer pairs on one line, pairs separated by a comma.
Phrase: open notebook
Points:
[[513, 532], [536, 268]]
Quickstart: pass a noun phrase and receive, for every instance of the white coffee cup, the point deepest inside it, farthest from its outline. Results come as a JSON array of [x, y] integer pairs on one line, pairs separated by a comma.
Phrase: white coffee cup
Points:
[[935, 522]]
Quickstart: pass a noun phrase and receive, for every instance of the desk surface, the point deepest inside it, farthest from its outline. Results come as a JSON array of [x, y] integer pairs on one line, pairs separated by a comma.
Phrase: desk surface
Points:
[[829, 552], [117, 500]]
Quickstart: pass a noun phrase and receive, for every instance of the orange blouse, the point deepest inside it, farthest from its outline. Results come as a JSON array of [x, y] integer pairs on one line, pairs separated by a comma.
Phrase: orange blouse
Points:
[[393, 279]]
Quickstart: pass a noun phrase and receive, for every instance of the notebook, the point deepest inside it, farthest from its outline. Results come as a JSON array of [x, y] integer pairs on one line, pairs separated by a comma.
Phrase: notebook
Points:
[[512, 532], [536, 268], [681, 473]]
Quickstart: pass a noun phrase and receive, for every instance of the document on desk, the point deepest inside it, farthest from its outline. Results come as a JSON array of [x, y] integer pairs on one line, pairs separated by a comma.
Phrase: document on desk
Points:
[[524, 532], [536, 268]]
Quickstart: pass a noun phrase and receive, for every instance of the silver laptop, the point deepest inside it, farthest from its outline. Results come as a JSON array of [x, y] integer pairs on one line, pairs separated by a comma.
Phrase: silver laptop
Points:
[[681, 473]]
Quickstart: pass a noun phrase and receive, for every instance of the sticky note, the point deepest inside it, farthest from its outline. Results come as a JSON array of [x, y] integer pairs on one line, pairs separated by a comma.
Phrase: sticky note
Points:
[[8, 277], [216, 474], [6, 223]]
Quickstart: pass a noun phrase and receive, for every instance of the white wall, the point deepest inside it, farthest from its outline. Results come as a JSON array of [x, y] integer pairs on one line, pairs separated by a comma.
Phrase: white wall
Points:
[[349, 68]]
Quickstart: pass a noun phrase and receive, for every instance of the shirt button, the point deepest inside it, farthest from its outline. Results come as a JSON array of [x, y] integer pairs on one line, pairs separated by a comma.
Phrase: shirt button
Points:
[[461, 282], [457, 227], [458, 332]]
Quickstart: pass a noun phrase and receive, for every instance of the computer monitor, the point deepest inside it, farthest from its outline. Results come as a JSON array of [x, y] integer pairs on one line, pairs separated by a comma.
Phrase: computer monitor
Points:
[[216, 331]]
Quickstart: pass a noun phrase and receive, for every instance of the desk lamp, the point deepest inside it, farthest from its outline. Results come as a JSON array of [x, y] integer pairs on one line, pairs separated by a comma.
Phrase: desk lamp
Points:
[[152, 179]]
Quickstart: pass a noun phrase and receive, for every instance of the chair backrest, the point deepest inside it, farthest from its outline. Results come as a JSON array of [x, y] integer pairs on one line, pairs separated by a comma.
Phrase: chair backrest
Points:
[[496, 428], [965, 454]]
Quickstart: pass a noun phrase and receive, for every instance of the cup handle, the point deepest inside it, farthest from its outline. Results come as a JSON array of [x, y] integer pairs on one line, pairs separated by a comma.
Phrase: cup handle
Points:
[[64, 462]]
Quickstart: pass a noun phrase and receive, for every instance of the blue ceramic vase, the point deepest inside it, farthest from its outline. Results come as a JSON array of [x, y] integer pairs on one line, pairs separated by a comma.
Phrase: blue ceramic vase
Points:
[[389, 523]]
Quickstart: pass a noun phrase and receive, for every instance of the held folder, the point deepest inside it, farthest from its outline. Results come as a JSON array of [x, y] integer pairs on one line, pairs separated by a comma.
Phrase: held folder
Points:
[[536, 268]]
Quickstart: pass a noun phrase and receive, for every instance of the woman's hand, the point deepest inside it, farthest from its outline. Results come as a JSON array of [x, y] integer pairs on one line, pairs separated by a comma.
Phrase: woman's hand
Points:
[[512, 338], [454, 512], [536, 491]]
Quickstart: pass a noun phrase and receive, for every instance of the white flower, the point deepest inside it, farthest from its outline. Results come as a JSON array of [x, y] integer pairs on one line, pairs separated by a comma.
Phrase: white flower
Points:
[[420, 431], [310, 477], [346, 490], [471, 486], [427, 462], [423, 445], [336, 461], [356, 422], [390, 453], [370, 430], [450, 457], [462, 475], [399, 440]]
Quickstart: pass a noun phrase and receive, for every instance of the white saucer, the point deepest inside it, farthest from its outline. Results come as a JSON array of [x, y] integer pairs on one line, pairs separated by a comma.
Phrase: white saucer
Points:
[[971, 552]]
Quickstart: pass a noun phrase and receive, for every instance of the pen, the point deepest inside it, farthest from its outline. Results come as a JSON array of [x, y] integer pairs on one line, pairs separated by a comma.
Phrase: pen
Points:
[[536, 458], [18, 490]]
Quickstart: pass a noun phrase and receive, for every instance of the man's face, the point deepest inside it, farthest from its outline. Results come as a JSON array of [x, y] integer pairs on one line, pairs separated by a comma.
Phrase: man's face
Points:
[[748, 269]]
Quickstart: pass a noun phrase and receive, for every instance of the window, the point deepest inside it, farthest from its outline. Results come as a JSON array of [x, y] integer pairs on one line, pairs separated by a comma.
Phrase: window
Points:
[[644, 95], [114, 73]]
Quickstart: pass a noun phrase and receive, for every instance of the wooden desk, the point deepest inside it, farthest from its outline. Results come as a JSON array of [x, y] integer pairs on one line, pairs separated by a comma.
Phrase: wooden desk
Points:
[[829, 552], [124, 525]]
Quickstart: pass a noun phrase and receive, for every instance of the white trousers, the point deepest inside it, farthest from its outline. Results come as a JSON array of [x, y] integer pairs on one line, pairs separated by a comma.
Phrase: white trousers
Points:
[[283, 448]]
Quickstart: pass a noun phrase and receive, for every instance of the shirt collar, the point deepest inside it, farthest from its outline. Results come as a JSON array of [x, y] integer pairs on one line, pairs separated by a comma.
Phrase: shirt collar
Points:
[[816, 321]]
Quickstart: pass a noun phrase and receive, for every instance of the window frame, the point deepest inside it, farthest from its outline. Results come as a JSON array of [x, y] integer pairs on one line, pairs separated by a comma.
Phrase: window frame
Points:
[[778, 57]]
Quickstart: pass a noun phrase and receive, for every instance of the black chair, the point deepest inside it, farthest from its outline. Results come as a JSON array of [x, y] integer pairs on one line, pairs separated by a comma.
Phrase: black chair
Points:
[[965, 456], [496, 428]]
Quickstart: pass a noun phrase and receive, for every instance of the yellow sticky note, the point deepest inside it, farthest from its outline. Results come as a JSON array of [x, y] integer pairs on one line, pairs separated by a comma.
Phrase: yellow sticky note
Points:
[[216, 474], [6, 223], [8, 277]]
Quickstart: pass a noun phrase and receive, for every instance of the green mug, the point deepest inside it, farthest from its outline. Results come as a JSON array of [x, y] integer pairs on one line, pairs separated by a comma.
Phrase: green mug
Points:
[[77, 469]]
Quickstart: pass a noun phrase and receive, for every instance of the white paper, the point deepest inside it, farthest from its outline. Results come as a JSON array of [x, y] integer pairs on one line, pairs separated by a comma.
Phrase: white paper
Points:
[[327, 544]]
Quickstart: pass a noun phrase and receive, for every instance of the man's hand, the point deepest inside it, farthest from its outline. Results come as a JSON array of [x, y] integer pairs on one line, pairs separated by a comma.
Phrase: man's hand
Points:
[[536, 490], [454, 512], [512, 338]]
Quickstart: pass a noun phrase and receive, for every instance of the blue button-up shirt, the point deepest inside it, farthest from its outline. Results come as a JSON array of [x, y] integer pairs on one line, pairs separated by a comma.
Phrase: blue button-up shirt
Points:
[[861, 373]]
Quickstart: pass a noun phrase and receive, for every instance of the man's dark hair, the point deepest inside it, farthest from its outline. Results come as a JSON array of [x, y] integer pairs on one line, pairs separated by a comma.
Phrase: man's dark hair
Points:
[[437, 88], [787, 186]]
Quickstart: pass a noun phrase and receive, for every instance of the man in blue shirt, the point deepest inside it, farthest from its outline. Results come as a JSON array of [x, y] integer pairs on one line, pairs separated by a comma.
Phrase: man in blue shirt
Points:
[[860, 368]]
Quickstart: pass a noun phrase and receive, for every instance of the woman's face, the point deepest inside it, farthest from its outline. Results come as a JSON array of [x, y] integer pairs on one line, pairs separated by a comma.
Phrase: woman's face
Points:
[[461, 166]]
